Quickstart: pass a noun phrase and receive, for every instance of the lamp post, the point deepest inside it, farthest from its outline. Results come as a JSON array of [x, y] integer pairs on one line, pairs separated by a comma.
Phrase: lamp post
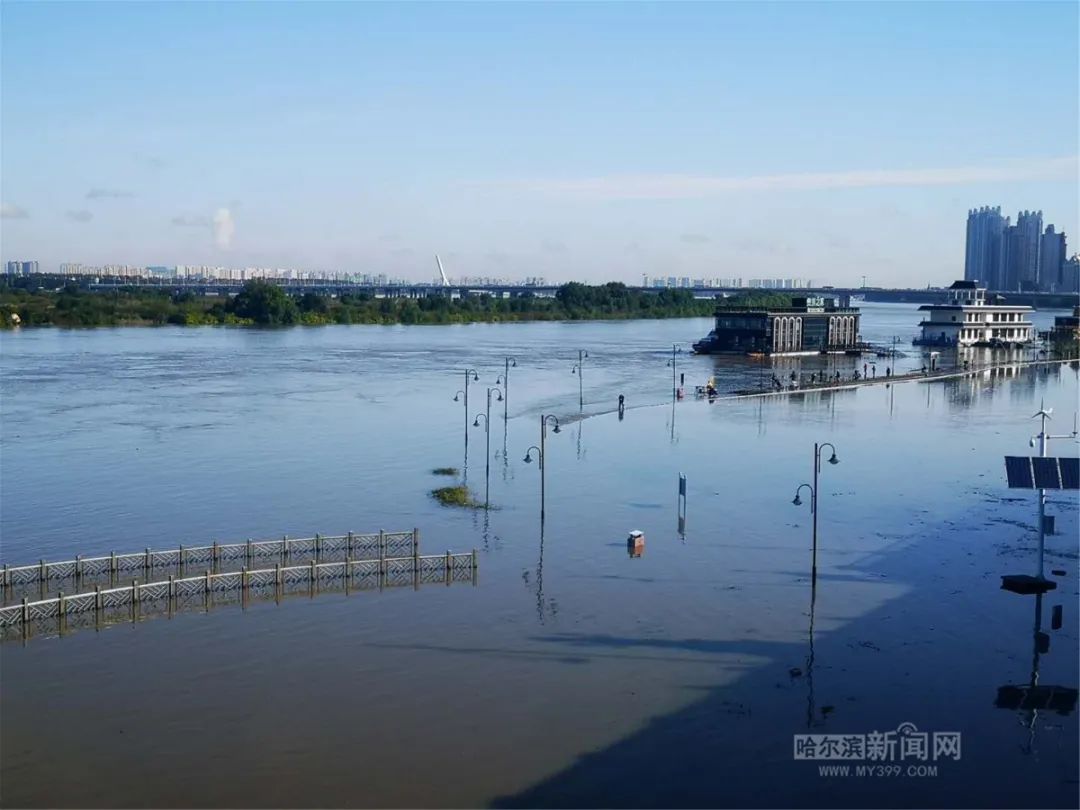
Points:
[[487, 436], [540, 450], [579, 370], [510, 362], [674, 376], [814, 502], [465, 394]]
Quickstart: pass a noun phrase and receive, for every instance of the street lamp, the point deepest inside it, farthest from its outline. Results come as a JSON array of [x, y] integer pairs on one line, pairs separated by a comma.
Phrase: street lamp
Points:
[[476, 378], [487, 434], [510, 362], [540, 451], [579, 369], [674, 384], [797, 501]]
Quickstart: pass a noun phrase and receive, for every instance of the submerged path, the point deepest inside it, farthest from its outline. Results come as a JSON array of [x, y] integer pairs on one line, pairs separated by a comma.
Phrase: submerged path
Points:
[[913, 376]]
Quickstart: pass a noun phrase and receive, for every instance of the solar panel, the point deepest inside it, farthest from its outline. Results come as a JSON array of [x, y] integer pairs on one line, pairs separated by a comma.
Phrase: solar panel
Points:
[[1027, 472], [1070, 473], [1046, 473], [1018, 469]]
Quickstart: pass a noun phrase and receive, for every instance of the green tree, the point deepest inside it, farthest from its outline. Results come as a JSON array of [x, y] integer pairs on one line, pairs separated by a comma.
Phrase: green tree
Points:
[[264, 303]]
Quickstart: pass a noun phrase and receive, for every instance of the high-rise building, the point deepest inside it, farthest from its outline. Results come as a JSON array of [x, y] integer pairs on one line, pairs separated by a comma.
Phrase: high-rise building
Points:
[[1051, 260], [1070, 274], [21, 268], [983, 257], [1021, 254]]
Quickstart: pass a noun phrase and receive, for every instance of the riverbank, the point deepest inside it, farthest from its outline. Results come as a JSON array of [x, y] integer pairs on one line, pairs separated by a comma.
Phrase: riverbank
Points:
[[262, 304]]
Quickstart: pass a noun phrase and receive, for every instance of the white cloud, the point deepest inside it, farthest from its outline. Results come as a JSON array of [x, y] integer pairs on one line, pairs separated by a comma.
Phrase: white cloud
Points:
[[12, 211], [224, 228], [191, 221], [80, 216], [107, 193], [680, 186]]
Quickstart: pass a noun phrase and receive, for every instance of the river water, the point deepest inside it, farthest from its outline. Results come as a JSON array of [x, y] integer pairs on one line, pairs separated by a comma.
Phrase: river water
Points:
[[571, 674]]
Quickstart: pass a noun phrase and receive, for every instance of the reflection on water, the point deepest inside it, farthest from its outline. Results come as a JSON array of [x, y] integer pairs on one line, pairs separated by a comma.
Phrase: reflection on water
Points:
[[573, 674], [1031, 698]]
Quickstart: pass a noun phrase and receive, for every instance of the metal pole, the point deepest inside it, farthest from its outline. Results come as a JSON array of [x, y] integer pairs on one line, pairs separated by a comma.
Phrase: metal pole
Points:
[[466, 421], [674, 383], [487, 456], [1042, 502], [543, 436], [506, 397], [814, 504], [581, 380]]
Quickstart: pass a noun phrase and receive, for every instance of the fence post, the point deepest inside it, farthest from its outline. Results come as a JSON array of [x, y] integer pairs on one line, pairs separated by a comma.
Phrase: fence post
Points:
[[348, 545], [112, 563], [314, 575], [208, 582], [214, 557], [61, 607], [247, 551], [7, 577], [416, 541], [382, 544], [43, 571], [474, 559], [277, 574], [146, 562], [317, 544], [171, 592], [78, 567], [416, 558], [25, 611], [134, 590], [449, 566], [97, 600], [284, 545], [181, 556], [243, 578]]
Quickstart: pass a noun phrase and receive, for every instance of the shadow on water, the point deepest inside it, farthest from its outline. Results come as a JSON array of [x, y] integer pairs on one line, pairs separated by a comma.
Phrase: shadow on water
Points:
[[733, 745]]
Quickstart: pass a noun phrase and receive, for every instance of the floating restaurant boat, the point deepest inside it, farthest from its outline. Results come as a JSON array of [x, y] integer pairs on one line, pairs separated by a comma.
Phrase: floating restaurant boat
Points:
[[968, 320], [811, 325]]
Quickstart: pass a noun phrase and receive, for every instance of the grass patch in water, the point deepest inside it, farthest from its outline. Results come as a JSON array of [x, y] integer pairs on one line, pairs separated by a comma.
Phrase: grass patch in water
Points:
[[445, 471], [455, 496]]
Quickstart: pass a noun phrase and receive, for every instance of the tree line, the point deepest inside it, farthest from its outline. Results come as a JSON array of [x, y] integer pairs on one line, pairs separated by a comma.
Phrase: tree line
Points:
[[265, 304]]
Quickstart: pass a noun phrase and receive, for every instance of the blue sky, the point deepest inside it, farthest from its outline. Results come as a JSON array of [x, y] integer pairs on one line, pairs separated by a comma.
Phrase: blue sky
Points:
[[588, 141]]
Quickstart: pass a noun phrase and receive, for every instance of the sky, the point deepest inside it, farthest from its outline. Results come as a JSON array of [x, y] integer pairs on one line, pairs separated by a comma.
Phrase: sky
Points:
[[593, 142]]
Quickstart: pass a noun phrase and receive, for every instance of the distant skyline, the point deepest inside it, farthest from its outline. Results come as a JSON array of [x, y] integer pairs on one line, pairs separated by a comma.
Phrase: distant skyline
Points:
[[572, 141]]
